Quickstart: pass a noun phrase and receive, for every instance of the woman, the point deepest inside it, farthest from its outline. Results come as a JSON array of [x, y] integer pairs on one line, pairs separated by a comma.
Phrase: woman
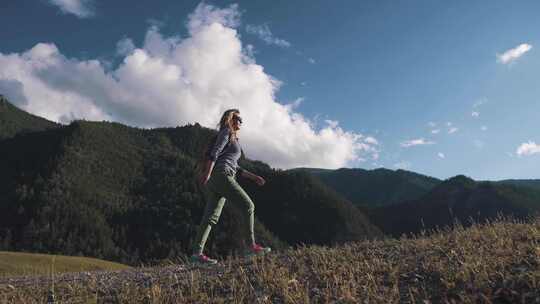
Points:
[[219, 174]]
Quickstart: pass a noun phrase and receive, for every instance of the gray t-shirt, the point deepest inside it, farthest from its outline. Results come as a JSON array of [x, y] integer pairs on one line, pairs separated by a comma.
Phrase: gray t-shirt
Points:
[[226, 153]]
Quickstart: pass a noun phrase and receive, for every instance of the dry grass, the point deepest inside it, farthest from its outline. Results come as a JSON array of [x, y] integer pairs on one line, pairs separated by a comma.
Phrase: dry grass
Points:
[[22, 263], [497, 262]]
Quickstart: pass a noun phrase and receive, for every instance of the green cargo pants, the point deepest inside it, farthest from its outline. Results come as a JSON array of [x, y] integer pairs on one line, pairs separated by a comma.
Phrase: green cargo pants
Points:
[[223, 186]]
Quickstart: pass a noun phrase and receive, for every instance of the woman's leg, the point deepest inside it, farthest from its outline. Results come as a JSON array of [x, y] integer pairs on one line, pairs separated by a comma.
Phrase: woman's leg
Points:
[[235, 193], [210, 218]]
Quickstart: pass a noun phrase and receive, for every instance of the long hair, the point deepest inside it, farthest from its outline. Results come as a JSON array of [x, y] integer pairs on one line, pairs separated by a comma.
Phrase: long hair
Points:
[[227, 120]]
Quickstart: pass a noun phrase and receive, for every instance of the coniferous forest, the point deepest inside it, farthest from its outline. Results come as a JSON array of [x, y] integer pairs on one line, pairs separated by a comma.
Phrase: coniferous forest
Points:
[[131, 195]]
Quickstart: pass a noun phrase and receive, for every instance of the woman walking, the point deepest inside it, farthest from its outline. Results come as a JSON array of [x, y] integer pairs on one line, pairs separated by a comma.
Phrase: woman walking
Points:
[[219, 175]]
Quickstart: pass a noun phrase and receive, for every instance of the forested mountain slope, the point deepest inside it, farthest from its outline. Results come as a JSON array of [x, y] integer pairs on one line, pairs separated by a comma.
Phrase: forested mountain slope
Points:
[[126, 194]]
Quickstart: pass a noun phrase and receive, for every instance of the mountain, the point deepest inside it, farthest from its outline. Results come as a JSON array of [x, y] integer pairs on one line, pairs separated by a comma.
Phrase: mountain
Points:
[[375, 188], [14, 121], [529, 183], [126, 194], [459, 198]]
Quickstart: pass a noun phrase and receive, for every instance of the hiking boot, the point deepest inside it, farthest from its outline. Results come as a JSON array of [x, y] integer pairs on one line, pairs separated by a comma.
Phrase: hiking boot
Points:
[[202, 259], [257, 249]]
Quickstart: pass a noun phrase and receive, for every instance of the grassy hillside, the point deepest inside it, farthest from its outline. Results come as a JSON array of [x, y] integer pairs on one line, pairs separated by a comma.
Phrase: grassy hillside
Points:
[[22, 263], [14, 121], [375, 188], [126, 194], [497, 262], [459, 198]]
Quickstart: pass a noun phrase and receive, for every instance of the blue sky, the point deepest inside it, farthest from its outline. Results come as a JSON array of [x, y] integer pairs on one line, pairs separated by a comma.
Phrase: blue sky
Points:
[[437, 87]]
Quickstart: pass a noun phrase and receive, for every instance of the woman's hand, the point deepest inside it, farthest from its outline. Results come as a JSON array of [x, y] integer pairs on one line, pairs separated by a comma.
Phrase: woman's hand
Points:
[[259, 180], [204, 179], [254, 177], [205, 175]]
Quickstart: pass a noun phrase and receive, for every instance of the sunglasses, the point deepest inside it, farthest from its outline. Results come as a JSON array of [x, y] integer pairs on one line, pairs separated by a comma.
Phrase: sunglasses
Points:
[[237, 118]]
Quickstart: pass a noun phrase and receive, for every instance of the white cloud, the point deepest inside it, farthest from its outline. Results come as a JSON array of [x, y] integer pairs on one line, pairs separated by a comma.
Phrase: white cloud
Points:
[[436, 131], [475, 114], [416, 142], [125, 47], [79, 8], [371, 140], [250, 52], [207, 15], [452, 130], [441, 155], [13, 90], [432, 124], [479, 102], [513, 54], [311, 60], [528, 148], [264, 33], [170, 81], [483, 128], [403, 165], [332, 123], [296, 103]]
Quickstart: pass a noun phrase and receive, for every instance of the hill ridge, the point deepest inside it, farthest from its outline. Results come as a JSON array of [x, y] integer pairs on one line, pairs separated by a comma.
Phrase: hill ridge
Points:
[[15, 121]]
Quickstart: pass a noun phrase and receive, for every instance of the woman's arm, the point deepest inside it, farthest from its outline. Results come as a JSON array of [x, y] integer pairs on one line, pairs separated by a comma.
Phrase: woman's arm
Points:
[[254, 177], [221, 141], [209, 166]]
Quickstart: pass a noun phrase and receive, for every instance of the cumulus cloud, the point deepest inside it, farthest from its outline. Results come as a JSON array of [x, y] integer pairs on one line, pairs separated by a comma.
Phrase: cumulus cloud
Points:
[[475, 114], [264, 33], [528, 148], [206, 15], [13, 90], [296, 103], [79, 8], [416, 142], [169, 81], [371, 140], [436, 131], [513, 54], [452, 130], [125, 47], [441, 155]]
